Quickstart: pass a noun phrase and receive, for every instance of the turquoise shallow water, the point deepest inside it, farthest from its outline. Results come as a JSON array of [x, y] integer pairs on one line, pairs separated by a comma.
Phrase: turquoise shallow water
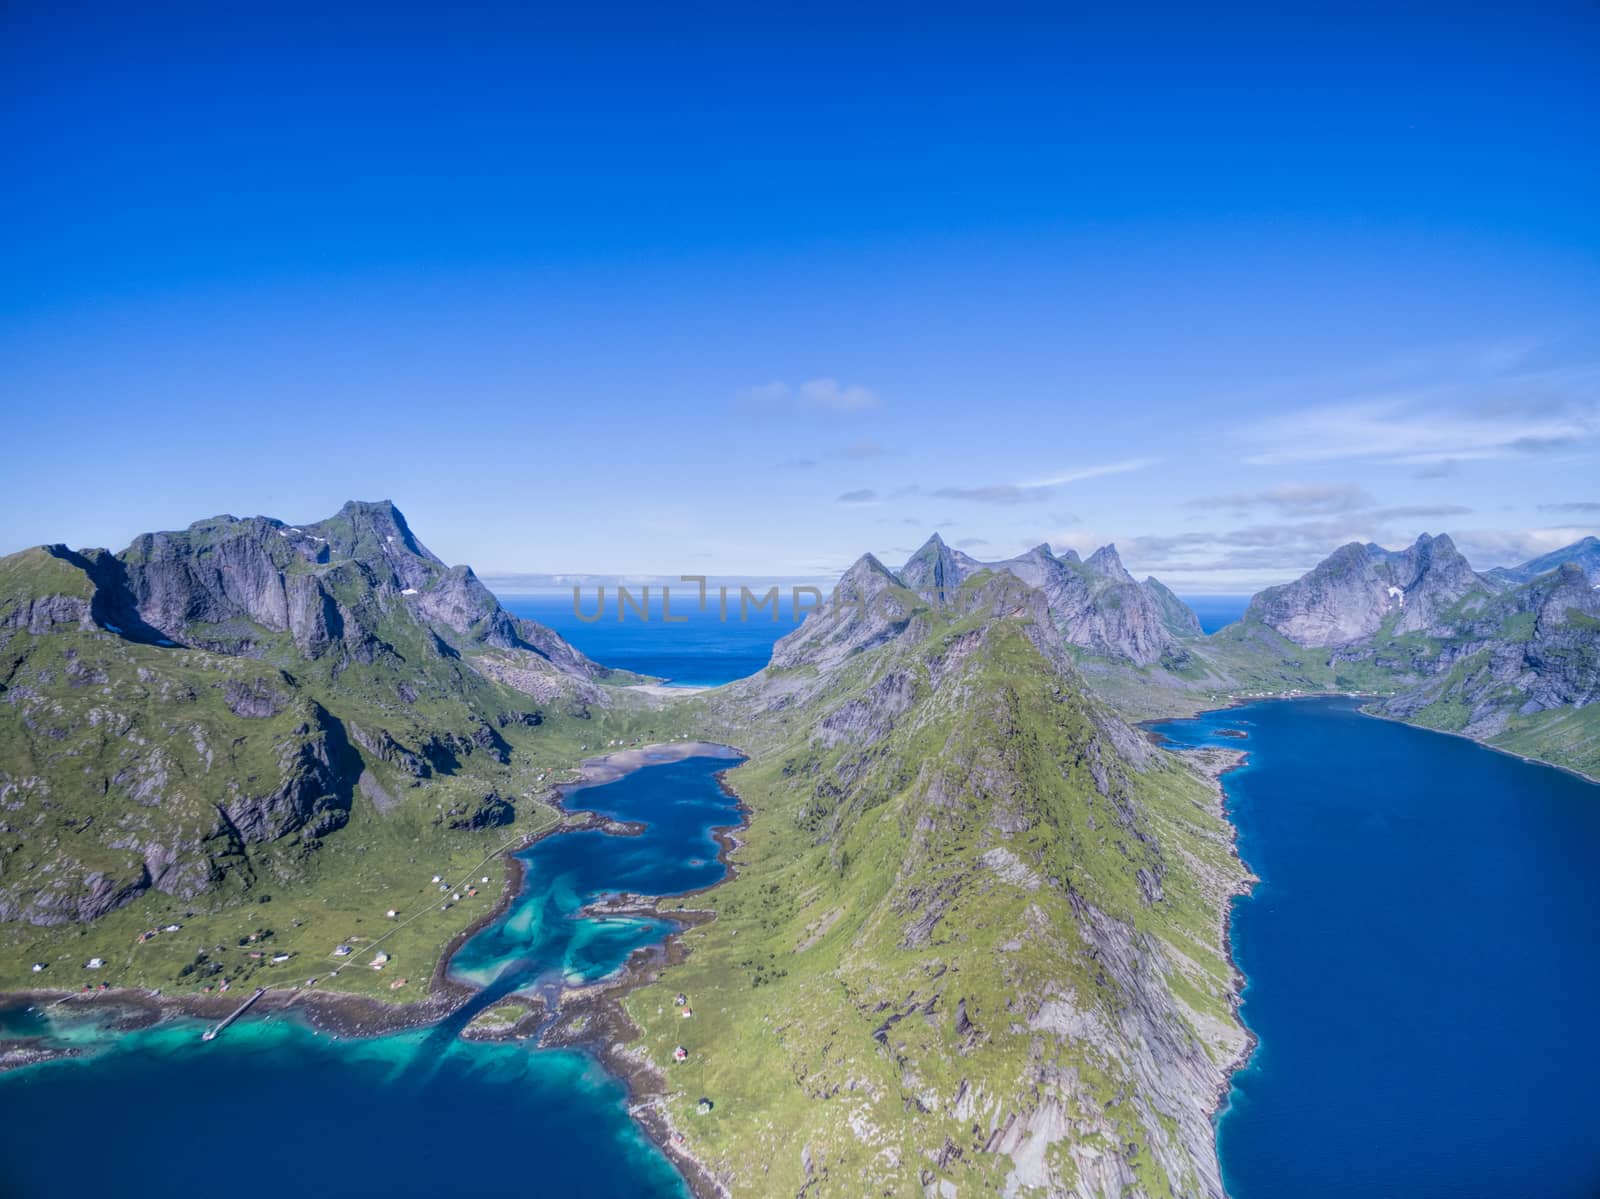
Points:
[[273, 1109], [1422, 963]]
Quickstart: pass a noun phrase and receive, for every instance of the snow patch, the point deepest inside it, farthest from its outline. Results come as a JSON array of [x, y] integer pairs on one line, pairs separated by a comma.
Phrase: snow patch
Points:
[[1398, 596], [408, 591]]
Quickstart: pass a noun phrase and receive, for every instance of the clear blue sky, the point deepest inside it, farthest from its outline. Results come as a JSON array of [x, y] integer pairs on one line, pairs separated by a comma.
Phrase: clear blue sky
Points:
[[755, 289]]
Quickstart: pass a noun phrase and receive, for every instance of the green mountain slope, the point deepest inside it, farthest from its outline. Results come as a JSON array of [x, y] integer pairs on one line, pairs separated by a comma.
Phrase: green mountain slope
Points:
[[246, 709], [976, 934]]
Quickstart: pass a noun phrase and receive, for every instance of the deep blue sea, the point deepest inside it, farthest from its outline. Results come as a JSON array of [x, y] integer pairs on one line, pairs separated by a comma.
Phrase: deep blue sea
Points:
[[1423, 956], [702, 650], [271, 1109], [1215, 611]]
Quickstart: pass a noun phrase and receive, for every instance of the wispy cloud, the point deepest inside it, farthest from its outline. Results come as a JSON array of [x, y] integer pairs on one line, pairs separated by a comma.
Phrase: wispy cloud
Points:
[[1572, 506], [864, 495], [1078, 474], [1445, 468], [971, 543], [993, 493], [1486, 548], [1292, 499], [815, 395], [1039, 489], [1420, 512], [1532, 415]]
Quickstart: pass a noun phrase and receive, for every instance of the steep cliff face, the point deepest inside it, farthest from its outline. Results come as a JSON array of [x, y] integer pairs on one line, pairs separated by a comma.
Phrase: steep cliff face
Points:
[[168, 711], [1355, 590], [1534, 649], [1178, 617], [976, 937], [339, 586], [1097, 604]]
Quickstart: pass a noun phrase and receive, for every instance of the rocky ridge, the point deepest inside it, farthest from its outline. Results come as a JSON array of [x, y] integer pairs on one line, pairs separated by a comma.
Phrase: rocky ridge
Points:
[[976, 936], [170, 711]]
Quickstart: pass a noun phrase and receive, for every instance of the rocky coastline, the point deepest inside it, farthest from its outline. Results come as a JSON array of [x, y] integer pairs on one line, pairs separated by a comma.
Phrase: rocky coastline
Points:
[[590, 1018]]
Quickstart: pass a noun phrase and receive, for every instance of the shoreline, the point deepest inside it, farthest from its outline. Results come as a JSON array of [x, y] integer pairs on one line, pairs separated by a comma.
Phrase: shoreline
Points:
[[1240, 701], [593, 1019], [1217, 762], [589, 1018]]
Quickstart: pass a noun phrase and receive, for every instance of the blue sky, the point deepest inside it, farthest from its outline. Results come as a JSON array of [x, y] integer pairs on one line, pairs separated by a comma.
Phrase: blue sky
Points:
[[754, 290]]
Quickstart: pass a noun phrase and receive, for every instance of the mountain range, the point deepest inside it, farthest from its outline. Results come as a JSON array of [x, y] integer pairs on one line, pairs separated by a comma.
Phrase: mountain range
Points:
[[976, 934], [1509, 656]]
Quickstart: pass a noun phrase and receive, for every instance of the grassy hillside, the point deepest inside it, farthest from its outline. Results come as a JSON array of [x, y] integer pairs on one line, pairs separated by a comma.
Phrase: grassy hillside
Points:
[[975, 936], [145, 783]]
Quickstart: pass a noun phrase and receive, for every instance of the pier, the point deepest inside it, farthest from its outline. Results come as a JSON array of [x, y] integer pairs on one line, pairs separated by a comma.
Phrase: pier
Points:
[[211, 1033]]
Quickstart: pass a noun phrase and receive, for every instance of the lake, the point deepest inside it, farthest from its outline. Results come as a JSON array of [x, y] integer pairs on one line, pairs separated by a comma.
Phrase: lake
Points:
[[1422, 965]]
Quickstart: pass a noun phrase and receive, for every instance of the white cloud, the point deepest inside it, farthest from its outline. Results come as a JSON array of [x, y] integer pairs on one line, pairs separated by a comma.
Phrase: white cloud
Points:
[[1425, 430], [1094, 472], [1486, 548], [1293, 499], [814, 396], [1038, 489]]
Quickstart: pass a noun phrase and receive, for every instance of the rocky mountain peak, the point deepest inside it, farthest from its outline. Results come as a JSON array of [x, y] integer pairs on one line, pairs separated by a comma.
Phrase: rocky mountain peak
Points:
[[1353, 592], [868, 606], [1107, 563], [933, 572]]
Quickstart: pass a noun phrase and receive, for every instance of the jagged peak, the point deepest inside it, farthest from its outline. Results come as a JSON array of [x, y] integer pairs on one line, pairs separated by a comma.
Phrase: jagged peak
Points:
[[1041, 550], [1069, 556], [1107, 562], [932, 550], [371, 524], [865, 567], [933, 571]]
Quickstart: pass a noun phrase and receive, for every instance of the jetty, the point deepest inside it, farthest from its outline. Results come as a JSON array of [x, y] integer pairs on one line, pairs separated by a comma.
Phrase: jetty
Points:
[[211, 1033]]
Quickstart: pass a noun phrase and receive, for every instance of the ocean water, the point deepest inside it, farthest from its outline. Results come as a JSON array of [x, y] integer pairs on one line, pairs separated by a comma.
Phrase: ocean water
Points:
[[1423, 956], [271, 1108], [1217, 611], [702, 650]]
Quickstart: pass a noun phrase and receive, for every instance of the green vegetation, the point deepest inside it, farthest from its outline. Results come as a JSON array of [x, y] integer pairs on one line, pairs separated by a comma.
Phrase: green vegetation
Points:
[[305, 792], [940, 927]]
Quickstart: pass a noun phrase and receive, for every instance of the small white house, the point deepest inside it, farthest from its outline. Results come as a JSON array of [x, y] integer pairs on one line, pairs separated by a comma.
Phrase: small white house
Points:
[[342, 951], [96, 963]]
